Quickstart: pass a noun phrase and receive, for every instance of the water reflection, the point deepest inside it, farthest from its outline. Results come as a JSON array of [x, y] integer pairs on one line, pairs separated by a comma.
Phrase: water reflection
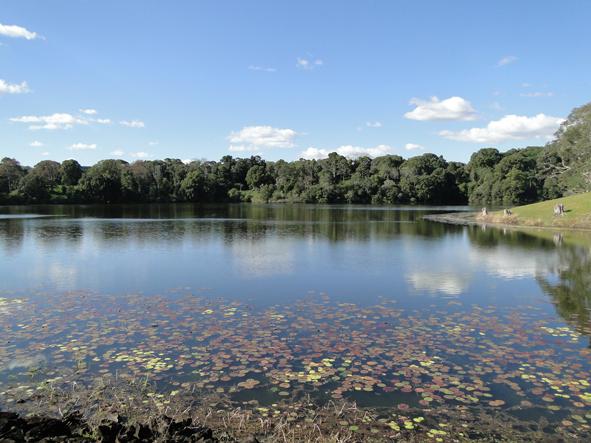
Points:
[[371, 304], [355, 253], [511, 262], [562, 269], [445, 282], [336, 223], [263, 258], [53, 234], [570, 287], [12, 233]]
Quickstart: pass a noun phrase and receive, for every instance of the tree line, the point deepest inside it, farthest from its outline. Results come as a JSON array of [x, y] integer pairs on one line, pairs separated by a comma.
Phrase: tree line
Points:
[[513, 177]]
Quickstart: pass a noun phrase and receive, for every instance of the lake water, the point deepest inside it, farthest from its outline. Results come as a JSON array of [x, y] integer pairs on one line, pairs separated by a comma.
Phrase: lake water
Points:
[[270, 303]]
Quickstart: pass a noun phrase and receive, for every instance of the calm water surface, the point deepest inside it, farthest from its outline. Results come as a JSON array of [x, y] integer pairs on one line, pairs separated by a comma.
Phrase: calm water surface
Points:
[[269, 254], [272, 302]]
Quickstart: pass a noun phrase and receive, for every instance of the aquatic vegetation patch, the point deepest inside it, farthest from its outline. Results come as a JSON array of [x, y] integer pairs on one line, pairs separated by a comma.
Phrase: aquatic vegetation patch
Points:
[[415, 371], [9, 305], [146, 360]]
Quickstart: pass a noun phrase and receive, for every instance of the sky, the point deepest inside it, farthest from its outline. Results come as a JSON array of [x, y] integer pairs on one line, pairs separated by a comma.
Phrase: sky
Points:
[[147, 79]]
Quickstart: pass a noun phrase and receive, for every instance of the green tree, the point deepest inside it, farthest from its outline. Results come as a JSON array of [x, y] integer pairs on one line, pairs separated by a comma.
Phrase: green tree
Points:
[[102, 182], [423, 178], [258, 176], [49, 171], [40, 181], [198, 185], [513, 177], [567, 163], [11, 173], [335, 168], [70, 172]]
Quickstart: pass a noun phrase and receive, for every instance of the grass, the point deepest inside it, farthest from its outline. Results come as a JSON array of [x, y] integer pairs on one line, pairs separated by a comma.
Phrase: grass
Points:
[[107, 398], [577, 207]]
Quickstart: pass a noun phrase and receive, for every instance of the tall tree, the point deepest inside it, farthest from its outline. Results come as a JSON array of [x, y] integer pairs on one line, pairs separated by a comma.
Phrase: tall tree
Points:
[[70, 172], [11, 173]]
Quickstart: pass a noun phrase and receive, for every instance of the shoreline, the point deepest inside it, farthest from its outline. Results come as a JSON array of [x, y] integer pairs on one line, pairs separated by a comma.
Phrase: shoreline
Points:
[[472, 219], [128, 412]]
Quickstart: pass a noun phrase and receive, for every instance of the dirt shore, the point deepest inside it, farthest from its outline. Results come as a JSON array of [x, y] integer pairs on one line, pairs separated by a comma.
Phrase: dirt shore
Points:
[[73, 429]]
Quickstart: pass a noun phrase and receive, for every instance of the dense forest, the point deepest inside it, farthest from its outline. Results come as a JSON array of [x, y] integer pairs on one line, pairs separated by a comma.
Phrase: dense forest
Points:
[[517, 176]]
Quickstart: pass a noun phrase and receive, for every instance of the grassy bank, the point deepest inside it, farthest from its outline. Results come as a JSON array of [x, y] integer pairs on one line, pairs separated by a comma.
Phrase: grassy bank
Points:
[[577, 214], [537, 219]]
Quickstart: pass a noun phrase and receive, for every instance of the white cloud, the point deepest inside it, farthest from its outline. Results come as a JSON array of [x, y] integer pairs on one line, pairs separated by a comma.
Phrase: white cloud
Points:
[[154, 143], [253, 138], [187, 161], [60, 120], [93, 112], [82, 147], [36, 144], [13, 88], [308, 63], [314, 153], [51, 122], [139, 154], [412, 146], [261, 68], [118, 153], [17, 32], [507, 60], [45, 154], [375, 124], [132, 123], [510, 127], [347, 151], [452, 108], [537, 94]]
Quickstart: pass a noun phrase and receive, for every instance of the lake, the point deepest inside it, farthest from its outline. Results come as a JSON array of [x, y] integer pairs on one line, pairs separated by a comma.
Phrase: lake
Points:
[[266, 305]]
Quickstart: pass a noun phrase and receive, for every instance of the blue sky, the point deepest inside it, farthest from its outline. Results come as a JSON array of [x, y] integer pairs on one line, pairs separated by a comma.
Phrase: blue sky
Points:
[[151, 79]]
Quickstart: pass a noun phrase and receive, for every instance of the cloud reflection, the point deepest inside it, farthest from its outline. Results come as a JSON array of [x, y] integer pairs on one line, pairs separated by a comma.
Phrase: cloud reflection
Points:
[[513, 263], [444, 282], [263, 257]]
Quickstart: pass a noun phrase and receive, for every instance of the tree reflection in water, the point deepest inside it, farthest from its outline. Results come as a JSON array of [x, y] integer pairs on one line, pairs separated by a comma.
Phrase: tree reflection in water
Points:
[[571, 293], [565, 277]]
